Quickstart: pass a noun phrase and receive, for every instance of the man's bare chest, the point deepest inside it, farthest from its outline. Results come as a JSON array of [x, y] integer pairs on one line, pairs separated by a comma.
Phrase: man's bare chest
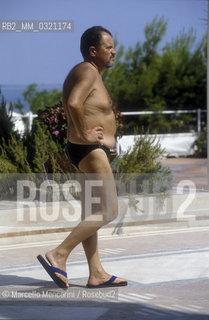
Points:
[[99, 97]]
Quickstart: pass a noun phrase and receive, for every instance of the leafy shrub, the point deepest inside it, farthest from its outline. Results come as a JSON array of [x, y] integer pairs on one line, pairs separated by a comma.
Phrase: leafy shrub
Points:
[[45, 155], [6, 124], [16, 153], [119, 122], [140, 163], [201, 145], [141, 157], [7, 167], [54, 118]]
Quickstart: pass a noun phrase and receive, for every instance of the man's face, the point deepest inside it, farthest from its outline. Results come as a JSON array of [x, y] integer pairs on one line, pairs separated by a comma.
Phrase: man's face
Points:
[[106, 51]]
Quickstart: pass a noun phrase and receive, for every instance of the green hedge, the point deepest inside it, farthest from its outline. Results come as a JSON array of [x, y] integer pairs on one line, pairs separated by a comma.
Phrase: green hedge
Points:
[[7, 167]]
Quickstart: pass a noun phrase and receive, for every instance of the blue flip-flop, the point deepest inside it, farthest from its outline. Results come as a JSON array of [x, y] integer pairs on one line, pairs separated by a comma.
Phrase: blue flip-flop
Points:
[[109, 283], [51, 271]]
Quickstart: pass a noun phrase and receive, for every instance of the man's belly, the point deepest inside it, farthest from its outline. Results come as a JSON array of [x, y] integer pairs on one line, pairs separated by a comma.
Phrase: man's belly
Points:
[[108, 141], [107, 122]]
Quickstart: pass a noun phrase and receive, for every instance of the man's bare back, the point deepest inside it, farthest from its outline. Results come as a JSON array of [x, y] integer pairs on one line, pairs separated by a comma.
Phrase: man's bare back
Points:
[[85, 83]]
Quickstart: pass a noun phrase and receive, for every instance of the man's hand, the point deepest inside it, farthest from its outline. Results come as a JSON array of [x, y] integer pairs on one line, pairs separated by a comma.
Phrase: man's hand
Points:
[[95, 135]]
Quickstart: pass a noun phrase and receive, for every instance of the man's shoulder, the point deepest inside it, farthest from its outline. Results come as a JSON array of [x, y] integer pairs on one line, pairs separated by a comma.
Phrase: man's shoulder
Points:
[[82, 72], [84, 69]]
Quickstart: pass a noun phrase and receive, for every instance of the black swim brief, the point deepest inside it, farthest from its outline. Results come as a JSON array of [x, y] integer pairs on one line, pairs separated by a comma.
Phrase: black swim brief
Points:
[[76, 152]]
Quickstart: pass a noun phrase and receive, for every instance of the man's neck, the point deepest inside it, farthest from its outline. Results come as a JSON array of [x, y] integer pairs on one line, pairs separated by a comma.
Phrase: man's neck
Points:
[[94, 65]]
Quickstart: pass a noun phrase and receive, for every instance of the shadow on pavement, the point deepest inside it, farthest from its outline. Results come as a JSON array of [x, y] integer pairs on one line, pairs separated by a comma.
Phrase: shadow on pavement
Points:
[[82, 310], [25, 298], [11, 280]]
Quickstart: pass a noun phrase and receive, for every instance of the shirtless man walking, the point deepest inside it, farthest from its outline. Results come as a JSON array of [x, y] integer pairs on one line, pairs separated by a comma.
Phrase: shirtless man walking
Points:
[[91, 130]]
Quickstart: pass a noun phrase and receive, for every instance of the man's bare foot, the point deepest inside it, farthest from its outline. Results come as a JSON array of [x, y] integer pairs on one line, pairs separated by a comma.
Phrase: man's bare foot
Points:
[[58, 261], [98, 279]]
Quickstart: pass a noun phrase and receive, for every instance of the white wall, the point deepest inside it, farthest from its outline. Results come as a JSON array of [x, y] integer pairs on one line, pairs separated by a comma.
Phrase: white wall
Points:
[[175, 145]]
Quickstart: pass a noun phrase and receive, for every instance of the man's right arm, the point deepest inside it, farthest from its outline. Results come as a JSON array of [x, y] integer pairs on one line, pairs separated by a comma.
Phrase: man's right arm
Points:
[[84, 79]]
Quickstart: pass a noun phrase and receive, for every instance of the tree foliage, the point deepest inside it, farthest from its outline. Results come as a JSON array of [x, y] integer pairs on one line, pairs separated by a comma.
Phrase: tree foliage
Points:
[[6, 124], [145, 76], [38, 100], [150, 77]]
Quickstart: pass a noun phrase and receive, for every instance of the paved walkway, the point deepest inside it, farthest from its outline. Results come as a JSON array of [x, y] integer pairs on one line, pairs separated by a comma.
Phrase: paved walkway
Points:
[[167, 272], [188, 168]]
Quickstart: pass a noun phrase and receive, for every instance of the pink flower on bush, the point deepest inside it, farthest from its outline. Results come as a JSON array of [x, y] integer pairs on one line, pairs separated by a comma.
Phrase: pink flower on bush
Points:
[[54, 118]]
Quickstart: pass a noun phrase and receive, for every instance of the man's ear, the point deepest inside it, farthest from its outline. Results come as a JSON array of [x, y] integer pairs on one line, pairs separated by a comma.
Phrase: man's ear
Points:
[[92, 51]]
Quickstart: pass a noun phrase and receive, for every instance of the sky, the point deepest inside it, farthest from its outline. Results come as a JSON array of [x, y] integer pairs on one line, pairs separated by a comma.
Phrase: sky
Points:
[[46, 58]]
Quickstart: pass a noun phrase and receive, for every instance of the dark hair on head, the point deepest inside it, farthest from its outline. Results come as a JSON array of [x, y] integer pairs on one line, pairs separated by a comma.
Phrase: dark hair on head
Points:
[[91, 37]]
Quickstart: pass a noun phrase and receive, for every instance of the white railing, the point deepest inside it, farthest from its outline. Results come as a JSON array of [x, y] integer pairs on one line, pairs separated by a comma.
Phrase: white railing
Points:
[[198, 112]]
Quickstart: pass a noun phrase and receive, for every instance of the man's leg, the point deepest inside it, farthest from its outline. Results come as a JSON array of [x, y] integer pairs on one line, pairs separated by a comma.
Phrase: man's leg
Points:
[[95, 162], [97, 274]]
